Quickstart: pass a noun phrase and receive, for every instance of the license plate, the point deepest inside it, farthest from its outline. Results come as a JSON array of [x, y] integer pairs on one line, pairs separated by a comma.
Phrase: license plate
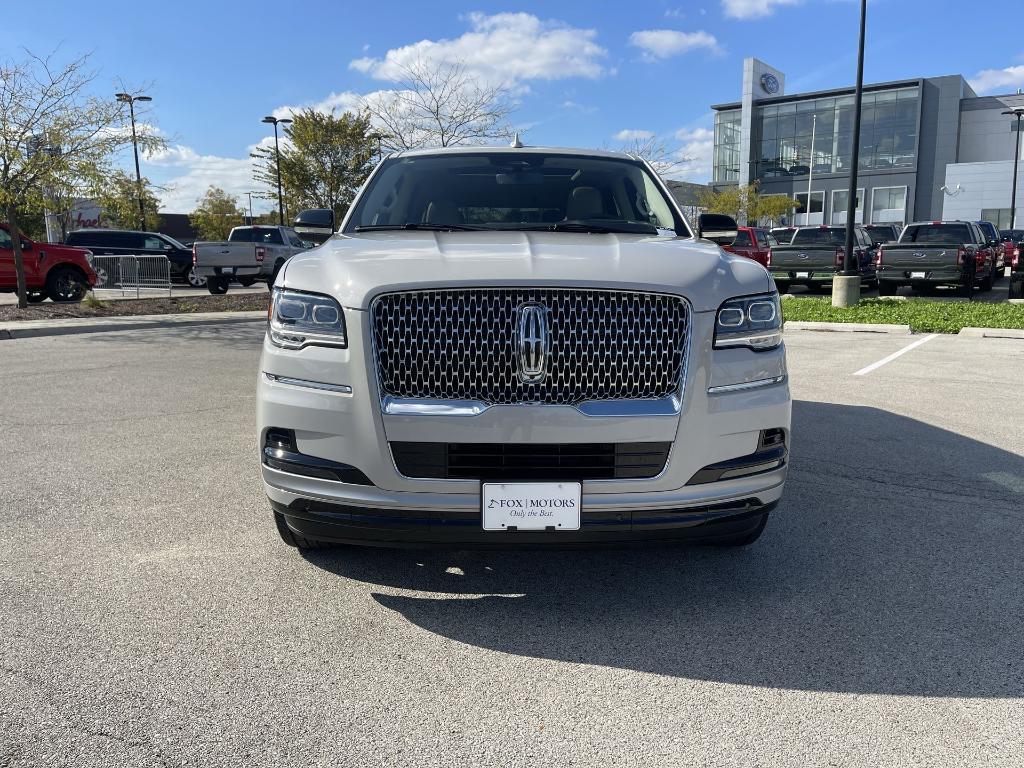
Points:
[[531, 506], [920, 275], [803, 274]]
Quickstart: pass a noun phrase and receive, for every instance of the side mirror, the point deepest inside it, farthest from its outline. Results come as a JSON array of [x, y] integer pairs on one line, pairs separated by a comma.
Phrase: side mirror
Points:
[[315, 225], [26, 245], [717, 227]]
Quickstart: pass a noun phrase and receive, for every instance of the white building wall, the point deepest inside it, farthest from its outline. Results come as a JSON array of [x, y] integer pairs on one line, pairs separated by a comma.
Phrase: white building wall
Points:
[[981, 185]]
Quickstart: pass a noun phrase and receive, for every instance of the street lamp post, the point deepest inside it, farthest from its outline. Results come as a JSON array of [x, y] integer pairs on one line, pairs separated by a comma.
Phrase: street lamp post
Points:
[[130, 100], [846, 286], [249, 195], [1017, 112], [277, 154]]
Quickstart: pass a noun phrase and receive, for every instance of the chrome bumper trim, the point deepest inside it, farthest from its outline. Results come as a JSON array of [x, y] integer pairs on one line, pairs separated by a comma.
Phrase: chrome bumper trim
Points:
[[746, 385], [404, 406], [341, 389]]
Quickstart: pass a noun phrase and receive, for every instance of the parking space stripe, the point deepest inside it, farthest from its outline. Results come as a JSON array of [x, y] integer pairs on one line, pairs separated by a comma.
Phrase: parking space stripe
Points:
[[894, 355]]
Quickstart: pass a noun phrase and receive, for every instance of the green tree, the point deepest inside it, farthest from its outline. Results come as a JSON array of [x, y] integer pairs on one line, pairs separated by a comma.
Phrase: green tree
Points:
[[773, 207], [118, 197], [216, 214], [324, 160], [745, 203], [52, 132]]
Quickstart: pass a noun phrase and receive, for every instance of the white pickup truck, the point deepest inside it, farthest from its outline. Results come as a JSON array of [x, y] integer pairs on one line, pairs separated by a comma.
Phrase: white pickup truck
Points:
[[250, 254]]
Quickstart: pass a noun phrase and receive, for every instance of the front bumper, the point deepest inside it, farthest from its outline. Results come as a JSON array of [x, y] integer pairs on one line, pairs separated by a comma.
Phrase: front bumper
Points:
[[342, 421]]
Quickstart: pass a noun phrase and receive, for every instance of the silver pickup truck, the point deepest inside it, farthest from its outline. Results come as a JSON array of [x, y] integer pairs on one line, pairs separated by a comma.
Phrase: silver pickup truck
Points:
[[250, 254]]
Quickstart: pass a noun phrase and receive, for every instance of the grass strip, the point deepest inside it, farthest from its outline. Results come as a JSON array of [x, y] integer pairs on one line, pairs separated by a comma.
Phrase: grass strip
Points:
[[922, 315]]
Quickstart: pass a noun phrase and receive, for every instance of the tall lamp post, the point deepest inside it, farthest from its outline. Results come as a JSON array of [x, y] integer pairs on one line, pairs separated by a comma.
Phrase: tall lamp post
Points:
[[277, 154], [130, 100], [1018, 112], [846, 285]]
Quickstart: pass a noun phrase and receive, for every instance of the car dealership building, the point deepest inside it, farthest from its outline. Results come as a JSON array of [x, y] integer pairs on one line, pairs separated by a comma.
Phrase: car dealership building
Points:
[[930, 148]]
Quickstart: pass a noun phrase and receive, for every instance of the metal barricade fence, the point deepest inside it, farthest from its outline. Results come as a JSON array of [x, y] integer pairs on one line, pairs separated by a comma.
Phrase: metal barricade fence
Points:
[[132, 273]]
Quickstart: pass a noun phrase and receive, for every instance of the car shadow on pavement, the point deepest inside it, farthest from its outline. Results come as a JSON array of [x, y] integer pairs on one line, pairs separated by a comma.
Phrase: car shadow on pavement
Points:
[[893, 566]]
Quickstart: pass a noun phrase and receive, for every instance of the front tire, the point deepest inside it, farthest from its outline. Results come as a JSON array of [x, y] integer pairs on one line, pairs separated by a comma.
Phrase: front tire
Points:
[[885, 288], [194, 280], [65, 285], [743, 539], [246, 282], [292, 539], [986, 285], [1016, 289], [217, 286], [782, 285], [34, 297]]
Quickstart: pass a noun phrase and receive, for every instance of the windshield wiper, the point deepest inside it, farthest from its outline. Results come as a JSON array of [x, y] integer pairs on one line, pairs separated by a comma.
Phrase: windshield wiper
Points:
[[623, 227], [430, 227]]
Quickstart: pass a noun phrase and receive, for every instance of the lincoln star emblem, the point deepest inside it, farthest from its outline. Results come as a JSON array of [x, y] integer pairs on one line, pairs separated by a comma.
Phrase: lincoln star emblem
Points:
[[532, 342]]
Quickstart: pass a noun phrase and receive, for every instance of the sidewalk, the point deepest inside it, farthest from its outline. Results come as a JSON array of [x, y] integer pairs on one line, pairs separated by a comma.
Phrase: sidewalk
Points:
[[24, 329]]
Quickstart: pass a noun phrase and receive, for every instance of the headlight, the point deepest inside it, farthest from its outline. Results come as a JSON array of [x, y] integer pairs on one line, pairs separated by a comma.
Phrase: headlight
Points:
[[88, 258], [754, 322], [300, 320]]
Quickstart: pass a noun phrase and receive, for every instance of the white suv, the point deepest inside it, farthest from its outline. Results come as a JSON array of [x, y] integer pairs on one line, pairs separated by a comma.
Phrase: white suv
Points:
[[522, 346]]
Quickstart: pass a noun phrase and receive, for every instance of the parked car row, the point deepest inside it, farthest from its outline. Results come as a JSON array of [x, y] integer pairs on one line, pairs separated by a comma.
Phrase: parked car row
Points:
[[967, 255]]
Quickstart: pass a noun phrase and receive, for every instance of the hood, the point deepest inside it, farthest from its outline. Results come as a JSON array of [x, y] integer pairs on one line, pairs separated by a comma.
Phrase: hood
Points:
[[356, 268]]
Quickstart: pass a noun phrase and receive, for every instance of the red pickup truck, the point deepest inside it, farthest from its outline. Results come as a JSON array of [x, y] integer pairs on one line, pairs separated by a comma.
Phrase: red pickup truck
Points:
[[57, 271], [754, 243]]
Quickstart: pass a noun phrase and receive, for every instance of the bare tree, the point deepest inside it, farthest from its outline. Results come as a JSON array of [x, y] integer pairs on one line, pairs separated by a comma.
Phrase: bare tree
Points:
[[53, 134], [656, 152], [438, 104]]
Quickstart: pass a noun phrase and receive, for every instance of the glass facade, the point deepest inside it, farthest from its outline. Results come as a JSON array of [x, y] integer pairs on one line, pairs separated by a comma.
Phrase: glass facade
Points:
[[782, 135], [727, 145]]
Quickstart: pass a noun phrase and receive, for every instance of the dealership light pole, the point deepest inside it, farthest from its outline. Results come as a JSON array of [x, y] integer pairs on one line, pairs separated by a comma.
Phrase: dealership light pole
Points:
[[130, 100], [249, 195], [1018, 112], [277, 162], [846, 285]]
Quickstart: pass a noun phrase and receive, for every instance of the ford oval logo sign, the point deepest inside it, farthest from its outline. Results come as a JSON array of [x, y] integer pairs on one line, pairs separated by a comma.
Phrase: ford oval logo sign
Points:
[[770, 83]]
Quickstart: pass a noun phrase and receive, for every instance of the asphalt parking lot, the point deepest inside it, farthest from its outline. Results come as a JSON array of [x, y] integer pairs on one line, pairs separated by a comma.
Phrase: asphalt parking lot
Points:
[[150, 615]]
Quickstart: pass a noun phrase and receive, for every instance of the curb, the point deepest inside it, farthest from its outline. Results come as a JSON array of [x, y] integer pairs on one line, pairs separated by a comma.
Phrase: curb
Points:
[[26, 329], [806, 325], [992, 333]]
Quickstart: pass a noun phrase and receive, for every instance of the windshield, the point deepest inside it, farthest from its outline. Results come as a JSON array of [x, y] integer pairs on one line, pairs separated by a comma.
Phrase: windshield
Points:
[[515, 191], [174, 242], [256, 235], [942, 234], [820, 236], [1012, 234]]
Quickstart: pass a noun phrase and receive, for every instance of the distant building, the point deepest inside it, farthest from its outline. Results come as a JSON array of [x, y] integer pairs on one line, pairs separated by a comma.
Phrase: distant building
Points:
[[687, 195], [178, 226], [930, 148]]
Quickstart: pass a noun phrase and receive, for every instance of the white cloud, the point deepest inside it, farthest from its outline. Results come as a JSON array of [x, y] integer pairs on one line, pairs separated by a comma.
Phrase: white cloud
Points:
[[184, 174], [346, 101], [633, 134], [665, 43], [752, 9], [694, 155], [505, 47], [1006, 80]]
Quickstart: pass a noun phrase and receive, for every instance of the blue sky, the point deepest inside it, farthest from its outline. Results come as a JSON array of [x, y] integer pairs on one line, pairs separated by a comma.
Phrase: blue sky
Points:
[[583, 73]]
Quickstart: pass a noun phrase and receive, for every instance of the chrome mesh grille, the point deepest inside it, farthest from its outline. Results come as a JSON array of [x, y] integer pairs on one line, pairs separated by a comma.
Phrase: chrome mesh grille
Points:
[[461, 345]]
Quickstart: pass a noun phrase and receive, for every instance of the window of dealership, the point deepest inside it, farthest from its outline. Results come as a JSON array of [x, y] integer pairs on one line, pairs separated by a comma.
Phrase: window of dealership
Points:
[[928, 146]]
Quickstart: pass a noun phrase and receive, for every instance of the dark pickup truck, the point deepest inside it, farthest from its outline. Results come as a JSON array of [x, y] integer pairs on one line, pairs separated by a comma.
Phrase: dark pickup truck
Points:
[[816, 254], [936, 253]]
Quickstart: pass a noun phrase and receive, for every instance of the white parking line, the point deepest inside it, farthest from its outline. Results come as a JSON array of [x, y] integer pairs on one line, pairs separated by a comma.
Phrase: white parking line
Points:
[[894, 355]]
